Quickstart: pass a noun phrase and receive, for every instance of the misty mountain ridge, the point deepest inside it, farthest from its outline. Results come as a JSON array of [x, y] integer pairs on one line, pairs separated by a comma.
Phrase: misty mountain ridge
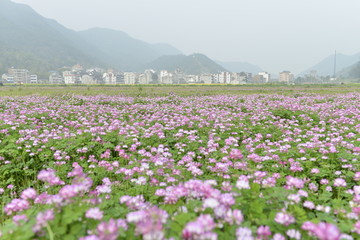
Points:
[[123, 51], [351, 72], [326, 66], [31, 41], [240, 67], [195, 64]]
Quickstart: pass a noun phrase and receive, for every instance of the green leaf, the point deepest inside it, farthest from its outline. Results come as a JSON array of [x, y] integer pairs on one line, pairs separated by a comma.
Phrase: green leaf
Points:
[[183, 218]]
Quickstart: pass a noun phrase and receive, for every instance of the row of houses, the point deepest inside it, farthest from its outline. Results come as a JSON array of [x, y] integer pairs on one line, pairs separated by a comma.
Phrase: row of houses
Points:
[[78, 75], [149, 76], [15, 75]]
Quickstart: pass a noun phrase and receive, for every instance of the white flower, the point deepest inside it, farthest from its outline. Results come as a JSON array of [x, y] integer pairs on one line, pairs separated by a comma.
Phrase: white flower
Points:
[[210, 203]]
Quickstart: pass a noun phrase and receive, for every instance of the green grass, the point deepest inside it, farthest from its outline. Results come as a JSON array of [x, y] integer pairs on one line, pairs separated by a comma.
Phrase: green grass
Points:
[[182, 90]]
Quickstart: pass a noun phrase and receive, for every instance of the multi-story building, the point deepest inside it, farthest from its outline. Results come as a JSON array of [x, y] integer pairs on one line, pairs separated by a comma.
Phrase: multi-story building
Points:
[[130, 77], [238, 78], [265, 76], [70, 77], [109, 77], [165, 77], [33, 78], [146, 77], [192, 78], [56, 78], [286, 77], [262, 77], [87, 79], [120, 78], [18, 75], [224, 77], [206, 78], [7, 78]]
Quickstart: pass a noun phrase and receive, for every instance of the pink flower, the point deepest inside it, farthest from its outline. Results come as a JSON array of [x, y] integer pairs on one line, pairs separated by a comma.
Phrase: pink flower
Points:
[[42, 219], [94, 213], [357, 176], [29, 193], [108, 230], [18, 218], [210, 203], [244, 233], [16, 205], [49, 177], [68, 191], [309, 204], [326, 231], [308, 226], [91, 237], [357, 227], [278, 236], [238, 216], [243, 182], [263, 232], [315, 170], [339, 182], [235, 154], [284, 218], [202, 226], [292, 233]]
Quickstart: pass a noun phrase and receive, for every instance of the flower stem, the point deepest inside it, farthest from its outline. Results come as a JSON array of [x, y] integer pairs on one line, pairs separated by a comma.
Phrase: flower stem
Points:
[[50, 232]]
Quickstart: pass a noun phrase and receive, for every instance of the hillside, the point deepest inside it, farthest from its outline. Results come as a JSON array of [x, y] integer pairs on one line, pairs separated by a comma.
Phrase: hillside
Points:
[[192, 64], [240, 67], [326, 66], [31, 41], [351, 72], [123, 51]]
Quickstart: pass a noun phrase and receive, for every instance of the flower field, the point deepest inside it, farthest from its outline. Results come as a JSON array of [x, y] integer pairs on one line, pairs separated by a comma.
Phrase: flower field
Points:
[[197, 167]]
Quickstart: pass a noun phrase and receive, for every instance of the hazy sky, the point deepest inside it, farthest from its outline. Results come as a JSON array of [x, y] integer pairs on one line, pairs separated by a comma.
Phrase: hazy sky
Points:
[[274, 34]]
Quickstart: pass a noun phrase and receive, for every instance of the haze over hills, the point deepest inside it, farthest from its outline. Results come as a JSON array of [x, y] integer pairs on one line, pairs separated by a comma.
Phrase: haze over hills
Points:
[[326, 66], [193, 64], [123, 51], [31, 41], [351, 72], [240, 67]]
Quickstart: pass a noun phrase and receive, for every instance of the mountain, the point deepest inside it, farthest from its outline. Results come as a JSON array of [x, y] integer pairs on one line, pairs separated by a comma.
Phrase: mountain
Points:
[[192, 64], [123, 51], [351, 72], [240, 67], [28, 40], [326, 66], [31, 41]]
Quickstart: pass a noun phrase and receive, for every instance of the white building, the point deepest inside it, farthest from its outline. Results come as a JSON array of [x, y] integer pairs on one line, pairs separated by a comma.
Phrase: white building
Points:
[[224, 77], [7, 78], [56, 78], [69, 77], [265, 76], [33, 78], [130, 77], [286, 77], [109, 78], [192, 78], [238, 78], [146, 77], [18, 75], [87, 79], [206, 78], [165, 77]]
